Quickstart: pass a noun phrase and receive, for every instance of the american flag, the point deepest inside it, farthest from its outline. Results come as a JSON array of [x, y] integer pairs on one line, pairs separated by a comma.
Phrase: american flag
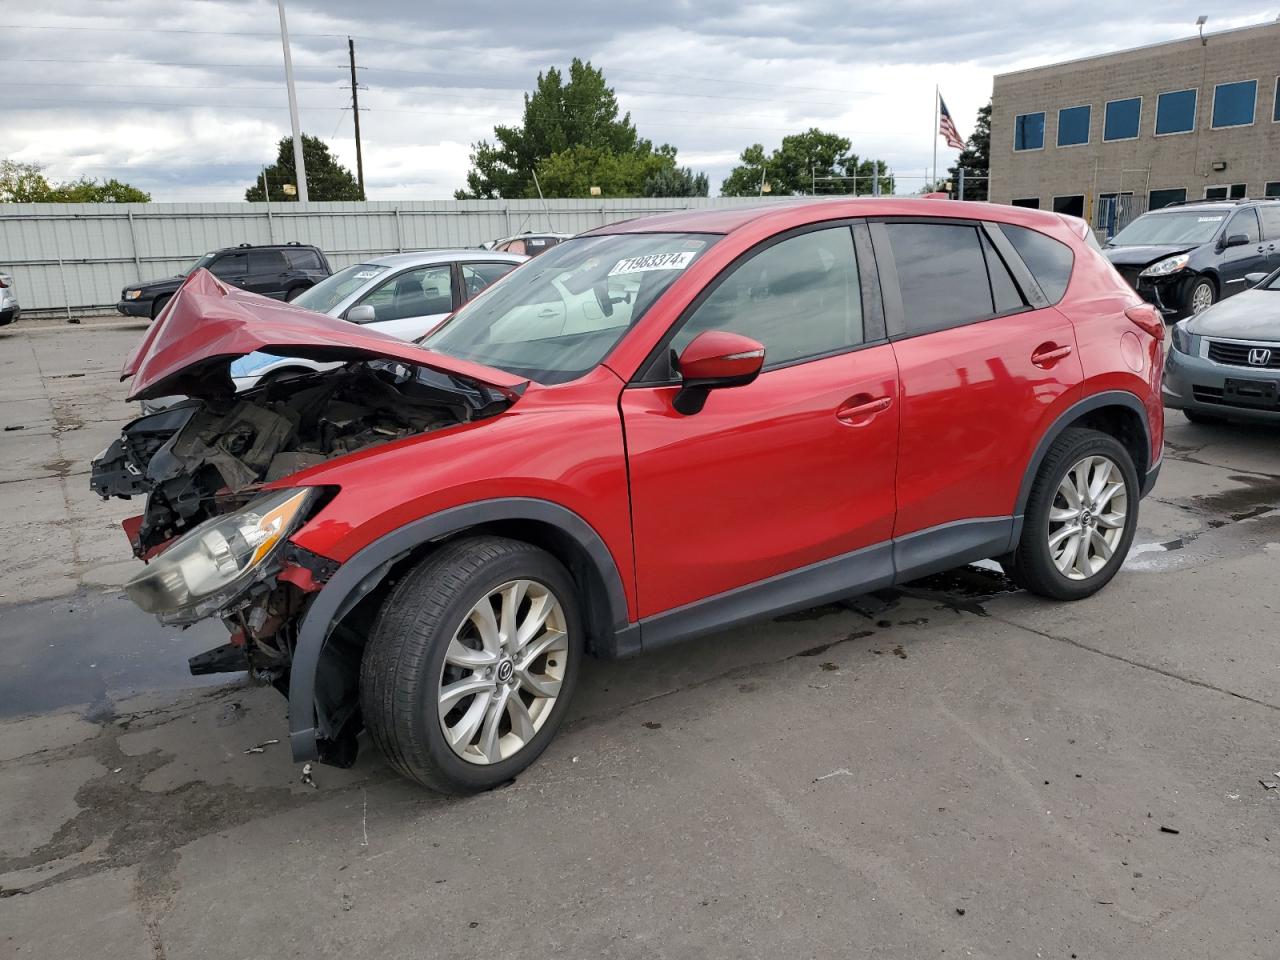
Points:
[[947, 126]]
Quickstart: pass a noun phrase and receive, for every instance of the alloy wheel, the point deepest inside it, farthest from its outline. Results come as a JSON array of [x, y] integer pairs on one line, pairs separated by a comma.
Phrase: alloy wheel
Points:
[[1087, 517], [1201, 298], [503, 671]]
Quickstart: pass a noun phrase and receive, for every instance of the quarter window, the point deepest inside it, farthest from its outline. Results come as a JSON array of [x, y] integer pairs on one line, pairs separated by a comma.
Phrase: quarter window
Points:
[[1176, 112], [1233, 103], [1073, 126], [1028, 131], [1048, 260], [1122, 120], [800, 298], [942, 275]]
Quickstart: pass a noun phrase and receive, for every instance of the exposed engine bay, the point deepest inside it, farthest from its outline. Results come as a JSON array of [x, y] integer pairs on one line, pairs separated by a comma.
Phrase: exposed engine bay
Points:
[[202, 457]]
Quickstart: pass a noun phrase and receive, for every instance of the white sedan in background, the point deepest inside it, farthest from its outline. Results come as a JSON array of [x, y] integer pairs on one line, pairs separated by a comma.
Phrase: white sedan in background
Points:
[[406, 295]]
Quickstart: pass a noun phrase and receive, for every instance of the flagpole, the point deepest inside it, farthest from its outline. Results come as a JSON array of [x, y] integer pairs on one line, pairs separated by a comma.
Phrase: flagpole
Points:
[[937, 94]]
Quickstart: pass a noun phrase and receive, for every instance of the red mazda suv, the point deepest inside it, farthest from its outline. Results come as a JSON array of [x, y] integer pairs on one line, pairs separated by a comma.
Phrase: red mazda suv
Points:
[[656, 430]]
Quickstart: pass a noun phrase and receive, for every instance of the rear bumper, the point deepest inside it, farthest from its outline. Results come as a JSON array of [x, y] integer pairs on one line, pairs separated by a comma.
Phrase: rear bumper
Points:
[[9, 314], [1200, 385], [135, 308]]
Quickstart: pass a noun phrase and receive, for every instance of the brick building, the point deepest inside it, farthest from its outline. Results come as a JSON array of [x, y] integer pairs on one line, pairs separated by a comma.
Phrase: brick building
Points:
[[1107, 137]]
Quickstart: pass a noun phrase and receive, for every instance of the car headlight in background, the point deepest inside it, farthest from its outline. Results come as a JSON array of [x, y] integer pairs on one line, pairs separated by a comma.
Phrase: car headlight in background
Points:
[[132, 294], [1180, 338], [1162, 268], [207, 568]]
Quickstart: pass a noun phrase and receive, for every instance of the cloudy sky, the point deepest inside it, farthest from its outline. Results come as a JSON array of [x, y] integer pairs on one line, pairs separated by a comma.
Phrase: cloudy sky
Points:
[[185, 98]]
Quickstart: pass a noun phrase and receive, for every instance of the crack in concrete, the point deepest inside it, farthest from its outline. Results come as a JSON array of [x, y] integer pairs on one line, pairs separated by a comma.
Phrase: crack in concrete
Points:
[[1171, 674]]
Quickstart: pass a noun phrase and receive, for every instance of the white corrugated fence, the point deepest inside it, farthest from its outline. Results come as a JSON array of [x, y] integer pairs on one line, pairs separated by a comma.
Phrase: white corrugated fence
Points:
[[76, 257]]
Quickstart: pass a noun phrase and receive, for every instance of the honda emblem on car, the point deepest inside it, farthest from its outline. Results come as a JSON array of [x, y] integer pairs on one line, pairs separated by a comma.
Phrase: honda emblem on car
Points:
[[1259, 356]]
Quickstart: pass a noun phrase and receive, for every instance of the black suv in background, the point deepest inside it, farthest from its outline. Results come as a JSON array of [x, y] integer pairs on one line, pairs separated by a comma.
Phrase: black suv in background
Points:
[[1187, 256], [278, 270]]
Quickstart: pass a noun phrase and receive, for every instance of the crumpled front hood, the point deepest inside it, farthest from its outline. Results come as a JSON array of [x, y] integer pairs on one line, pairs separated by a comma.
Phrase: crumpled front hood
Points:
[[1143, 255], [208, 324]]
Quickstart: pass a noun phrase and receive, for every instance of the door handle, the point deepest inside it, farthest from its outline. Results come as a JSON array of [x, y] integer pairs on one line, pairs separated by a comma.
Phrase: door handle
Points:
[[1047, 354], [862, 407]]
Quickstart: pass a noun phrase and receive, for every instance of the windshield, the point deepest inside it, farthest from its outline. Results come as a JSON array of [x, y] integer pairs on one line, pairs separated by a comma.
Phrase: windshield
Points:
[[1189, 227], [1271, 283], [204, 261], [331, 291], [559, 315]]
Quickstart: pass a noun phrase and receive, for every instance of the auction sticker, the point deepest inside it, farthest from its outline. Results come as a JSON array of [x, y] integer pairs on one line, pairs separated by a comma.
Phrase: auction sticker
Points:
[[1208, 219], [654, 261]]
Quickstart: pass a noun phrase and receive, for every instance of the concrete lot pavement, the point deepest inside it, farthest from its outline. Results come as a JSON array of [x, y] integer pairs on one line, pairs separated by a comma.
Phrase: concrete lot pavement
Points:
[[952, 769]]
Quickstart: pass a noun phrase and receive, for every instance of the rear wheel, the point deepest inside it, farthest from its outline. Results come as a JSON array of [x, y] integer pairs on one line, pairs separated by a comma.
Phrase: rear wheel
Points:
[[293, 294], [471, 663], [1080, 517]]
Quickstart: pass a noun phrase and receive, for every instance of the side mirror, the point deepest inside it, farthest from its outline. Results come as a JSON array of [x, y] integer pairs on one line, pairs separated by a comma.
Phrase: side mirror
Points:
[[1253, 279], [1236, 240], [361, 314], [713, 360]]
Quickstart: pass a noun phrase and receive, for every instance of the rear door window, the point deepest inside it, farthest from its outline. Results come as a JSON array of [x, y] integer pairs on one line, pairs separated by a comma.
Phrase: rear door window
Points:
[[303, 259], [1270, 221], [477, 276], [1004, 291], [1049, 260], [942, 273]]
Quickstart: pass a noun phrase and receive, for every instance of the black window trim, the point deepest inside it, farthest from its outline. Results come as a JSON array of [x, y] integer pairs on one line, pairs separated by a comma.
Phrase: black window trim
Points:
[[895, 315], [870, 287]]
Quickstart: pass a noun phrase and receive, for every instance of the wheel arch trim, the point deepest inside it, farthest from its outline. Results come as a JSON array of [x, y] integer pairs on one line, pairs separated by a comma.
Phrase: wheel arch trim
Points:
[[366, 569], [1097, 401]]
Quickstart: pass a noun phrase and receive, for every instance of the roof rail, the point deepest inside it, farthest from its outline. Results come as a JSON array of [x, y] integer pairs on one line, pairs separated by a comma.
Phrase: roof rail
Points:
[[1234, 201]]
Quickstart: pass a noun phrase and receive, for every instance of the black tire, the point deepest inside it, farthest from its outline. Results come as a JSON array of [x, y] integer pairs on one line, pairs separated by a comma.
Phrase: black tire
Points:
[[1032, 564], [1203, 419], [293, 294], [404, 659], [1199, 284], [159, 305]]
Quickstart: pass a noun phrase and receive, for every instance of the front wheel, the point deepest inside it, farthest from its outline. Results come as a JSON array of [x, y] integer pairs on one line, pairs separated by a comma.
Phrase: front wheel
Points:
[[1080, 519], [1200, 297], [471, 663]]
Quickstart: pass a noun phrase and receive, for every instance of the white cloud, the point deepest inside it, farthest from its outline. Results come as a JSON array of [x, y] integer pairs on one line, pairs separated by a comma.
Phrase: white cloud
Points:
[[710, 78]]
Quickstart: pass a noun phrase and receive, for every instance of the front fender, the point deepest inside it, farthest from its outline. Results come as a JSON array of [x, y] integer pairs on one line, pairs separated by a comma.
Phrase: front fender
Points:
[[366, 568]]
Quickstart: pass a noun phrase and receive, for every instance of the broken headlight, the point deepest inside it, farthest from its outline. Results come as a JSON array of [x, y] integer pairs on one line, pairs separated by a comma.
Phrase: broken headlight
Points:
[[206, 569]]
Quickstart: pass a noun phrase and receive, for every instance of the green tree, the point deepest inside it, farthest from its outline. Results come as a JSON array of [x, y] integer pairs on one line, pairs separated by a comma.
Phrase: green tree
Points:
[[800, 165], [676, 182], [327, 179], [26, 183], [572, 136], [975, 158]]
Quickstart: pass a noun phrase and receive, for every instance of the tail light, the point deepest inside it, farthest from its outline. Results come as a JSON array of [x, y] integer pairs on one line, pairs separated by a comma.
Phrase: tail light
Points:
[[1145, 317], [4, 281]]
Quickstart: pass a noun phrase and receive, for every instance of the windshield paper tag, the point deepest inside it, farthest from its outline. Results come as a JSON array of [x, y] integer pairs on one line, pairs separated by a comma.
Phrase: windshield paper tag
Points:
[[1208, 219], [654, 261], [366, 274]]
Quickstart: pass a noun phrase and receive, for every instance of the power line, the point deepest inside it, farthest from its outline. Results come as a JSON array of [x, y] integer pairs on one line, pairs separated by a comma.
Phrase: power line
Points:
[[166, 63]]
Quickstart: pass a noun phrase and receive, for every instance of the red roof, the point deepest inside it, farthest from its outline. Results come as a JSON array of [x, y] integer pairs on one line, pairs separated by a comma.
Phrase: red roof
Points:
[[794, 211]]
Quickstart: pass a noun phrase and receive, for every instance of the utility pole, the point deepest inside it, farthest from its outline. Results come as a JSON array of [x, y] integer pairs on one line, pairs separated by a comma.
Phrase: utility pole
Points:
[[355, 114], [299, 165]]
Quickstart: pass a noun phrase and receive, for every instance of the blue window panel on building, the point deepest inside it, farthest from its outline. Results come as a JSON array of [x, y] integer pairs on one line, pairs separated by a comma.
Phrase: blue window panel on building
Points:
[[1176, 112], [1073, 126], [1233, 103], [1028, 131], [1123, 119]]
